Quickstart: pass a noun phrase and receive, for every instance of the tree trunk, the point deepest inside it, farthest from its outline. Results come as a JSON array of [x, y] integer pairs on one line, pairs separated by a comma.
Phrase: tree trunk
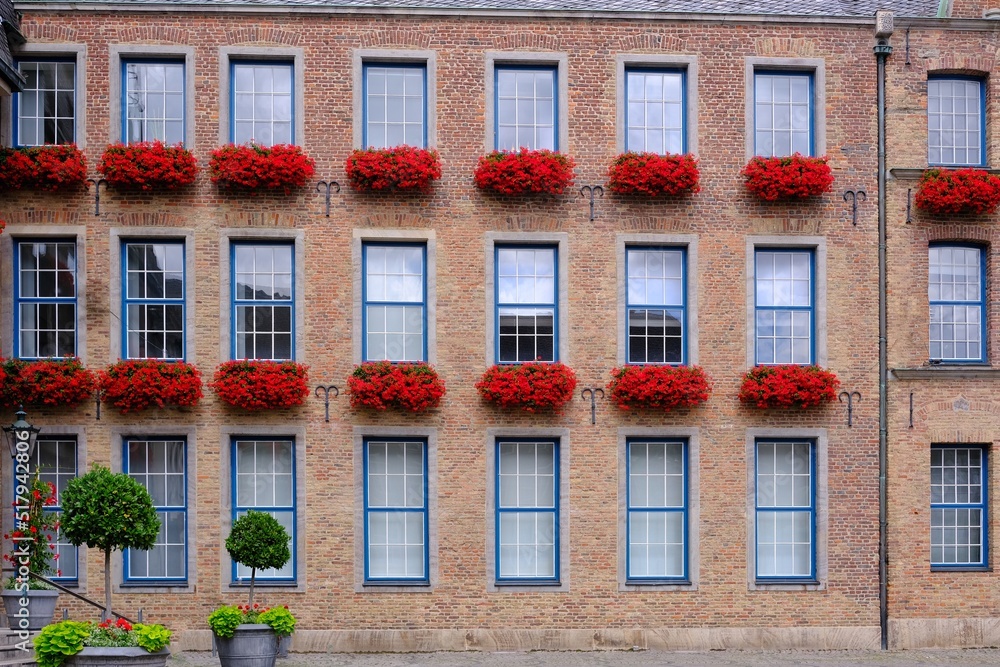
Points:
[[107, 585], [253, 573]]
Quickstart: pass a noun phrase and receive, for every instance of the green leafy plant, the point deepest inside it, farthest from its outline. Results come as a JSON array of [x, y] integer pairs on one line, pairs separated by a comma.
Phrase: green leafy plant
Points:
[[151, 637], [58, 641], [259, 542], [280, 620], [225, 619], [108, 511]]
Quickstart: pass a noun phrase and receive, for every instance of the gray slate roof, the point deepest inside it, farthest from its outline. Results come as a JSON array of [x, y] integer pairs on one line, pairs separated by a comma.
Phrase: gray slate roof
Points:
[[9, 27], [832, 8]]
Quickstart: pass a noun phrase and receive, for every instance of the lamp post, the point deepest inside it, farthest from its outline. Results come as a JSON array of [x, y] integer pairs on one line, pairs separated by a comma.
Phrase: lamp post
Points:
[[20, 437]]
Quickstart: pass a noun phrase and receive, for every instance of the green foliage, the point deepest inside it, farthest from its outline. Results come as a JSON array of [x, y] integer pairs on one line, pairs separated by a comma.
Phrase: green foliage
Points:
[[58, 641], [110, 637], [224, 620], [280, 620], [108, 511], [151, 637], [258, 541]]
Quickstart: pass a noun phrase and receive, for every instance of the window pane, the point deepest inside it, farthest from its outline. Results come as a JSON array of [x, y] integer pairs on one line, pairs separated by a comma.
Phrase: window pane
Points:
[[782, 113]]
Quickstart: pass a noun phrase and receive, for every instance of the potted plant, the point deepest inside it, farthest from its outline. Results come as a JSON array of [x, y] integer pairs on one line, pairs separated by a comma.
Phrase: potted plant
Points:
[[659, 387], [53, 382], [55, 168], [531, 387], [256, 385], [956, 191], [148, 165], [382, 384], [524, 171], [109, 643], [398, 168], [254, 167], [248, 635], [30, 603], [788, 386], [653, 175], [792, 177], [136, 384]]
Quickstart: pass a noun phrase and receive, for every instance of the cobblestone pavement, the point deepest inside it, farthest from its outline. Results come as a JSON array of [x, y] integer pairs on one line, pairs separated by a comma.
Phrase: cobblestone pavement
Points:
[[959, 658]]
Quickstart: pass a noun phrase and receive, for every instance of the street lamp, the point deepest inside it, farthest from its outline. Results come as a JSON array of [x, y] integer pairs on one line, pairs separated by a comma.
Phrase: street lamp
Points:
[[20, 437]]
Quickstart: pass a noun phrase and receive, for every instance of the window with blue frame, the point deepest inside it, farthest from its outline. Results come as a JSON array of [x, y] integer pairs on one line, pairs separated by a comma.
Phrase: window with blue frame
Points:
[[395, 110], [396, 516], [783, 113], [264, 480], [262, 109], [526, 104], [45, 311], [55, 461], [527, 510], [46, 108], [153, 104], [956, 121], [784, 298], [395, 301], [655, 305], [154, 297], [958, 506], [159, 465], [957, 295], [263, 301], [526, 304], [657, 510], [785, 510], [654, 115]]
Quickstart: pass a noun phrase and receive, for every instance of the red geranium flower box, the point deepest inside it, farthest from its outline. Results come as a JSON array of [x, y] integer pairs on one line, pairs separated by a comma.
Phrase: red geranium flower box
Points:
[[52, 382], [382, 384], [659, 387], [531, 387], [524, 171], [148, 165], [792, 177], [53, 168], [788, 386], [136, 384], [256, 385], [252, 167], [954, 191], [653, 175], [399, 168]]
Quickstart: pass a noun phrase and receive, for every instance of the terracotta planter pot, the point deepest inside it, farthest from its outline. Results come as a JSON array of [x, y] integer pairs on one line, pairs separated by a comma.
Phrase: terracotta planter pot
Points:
[[38, 613], [252, 645], [111, 656]]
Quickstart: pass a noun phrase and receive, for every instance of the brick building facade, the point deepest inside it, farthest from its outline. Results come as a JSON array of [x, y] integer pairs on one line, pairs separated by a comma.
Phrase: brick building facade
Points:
[[743, 282]]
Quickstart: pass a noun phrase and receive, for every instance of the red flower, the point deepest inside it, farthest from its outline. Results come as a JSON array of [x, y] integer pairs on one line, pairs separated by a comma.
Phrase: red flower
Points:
[[793, 177], [659, 387], [136, 384], [511, 173], [652, 174], [788, 386], [383, 384], [399, 168], [532, 386], [252, 167], [56, 382], [953, 191], [261, 385], [148, 165], [51, 167]]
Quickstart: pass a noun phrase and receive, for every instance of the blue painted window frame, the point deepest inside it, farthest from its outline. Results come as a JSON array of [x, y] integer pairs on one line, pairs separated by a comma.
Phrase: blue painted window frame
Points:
[[366, 302], [982, 506], [238, 510], [498, 304], [782, 509], [808, 74], [500, 511], [683, 103], [554, 71], [422, 510], [682, 306], [125, 62], [55, 300], [236, 302], [64, 549], [249, 62], [811, 308], [160, 510], [16, 112], [683, 509], [366, 66], [980, 302], [982, 119], [147, 301]]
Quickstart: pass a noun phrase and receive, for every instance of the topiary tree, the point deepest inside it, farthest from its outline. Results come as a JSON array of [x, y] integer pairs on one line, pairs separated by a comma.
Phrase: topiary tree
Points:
[[259, 542], [108, 511]]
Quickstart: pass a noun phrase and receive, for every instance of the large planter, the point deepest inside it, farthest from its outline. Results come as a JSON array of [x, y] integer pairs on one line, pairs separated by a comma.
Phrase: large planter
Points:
[[115, 656], [41, 607], [252, 645]]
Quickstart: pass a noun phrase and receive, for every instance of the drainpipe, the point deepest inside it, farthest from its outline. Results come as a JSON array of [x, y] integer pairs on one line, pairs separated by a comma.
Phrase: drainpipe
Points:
[[883, 30]]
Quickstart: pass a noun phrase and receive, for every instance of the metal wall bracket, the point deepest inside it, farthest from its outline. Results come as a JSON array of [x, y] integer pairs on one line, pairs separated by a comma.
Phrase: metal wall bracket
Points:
[[327, 389], [97, 183], [590, 191], [328, 186], [855, 195], [909, 194], [851, 397], [593, 391]]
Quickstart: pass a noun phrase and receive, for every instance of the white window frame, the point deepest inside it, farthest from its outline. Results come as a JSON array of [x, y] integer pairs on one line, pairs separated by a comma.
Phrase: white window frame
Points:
[[560, 61], [280, 55], [75, 52], [627, 61], [813, 66], [126, 52], [389, 57]]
